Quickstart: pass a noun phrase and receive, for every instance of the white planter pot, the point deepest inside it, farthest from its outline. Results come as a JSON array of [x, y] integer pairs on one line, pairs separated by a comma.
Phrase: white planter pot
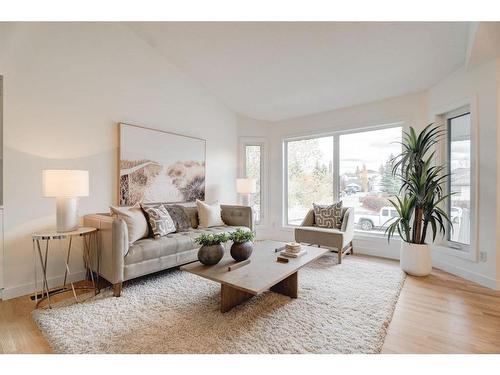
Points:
[[415, 259]]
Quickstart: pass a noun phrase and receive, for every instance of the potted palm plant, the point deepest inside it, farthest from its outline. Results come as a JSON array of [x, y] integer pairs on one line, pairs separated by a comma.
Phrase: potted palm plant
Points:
[[421, 197]]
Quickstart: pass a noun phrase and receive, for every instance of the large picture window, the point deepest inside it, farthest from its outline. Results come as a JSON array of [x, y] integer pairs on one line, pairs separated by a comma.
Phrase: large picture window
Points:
[[353, 167], [459, 166]]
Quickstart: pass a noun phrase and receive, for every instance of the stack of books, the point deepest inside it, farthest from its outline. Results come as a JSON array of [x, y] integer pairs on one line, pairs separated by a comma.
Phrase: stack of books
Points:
[[293, 250]]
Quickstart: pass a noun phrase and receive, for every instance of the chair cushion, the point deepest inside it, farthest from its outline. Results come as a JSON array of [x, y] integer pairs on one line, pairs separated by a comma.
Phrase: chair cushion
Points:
[[170, 244], [320, 236]]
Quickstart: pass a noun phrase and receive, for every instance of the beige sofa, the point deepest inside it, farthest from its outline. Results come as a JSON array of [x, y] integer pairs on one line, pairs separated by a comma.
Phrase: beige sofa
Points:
[[338, 239], [121, 261]]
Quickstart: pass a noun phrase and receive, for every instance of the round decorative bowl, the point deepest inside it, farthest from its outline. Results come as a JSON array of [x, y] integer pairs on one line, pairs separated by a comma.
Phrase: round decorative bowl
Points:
[[210, 255], [241, 251]]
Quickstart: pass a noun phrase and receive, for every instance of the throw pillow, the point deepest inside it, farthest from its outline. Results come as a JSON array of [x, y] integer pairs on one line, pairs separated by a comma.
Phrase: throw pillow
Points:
[[160, 221], [328, 216], [135, 220], [179, 216], [209, 214], [192, 214]]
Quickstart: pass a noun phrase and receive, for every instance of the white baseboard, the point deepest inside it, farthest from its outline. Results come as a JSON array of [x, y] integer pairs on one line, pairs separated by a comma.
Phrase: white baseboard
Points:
[[466, 274], [29, 288]]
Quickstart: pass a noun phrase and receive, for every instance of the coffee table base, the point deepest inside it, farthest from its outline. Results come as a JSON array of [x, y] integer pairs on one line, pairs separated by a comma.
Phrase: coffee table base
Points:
[[231, 297]]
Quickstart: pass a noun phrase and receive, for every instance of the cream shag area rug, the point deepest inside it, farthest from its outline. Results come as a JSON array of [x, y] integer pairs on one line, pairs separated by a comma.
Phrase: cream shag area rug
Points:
[[341, 309]]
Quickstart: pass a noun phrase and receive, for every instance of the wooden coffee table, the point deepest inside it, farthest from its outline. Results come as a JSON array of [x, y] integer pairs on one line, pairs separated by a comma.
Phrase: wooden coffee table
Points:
[[261, 274]]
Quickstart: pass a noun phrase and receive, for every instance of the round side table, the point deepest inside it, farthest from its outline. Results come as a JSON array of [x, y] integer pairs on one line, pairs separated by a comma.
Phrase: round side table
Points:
[[91, 257]]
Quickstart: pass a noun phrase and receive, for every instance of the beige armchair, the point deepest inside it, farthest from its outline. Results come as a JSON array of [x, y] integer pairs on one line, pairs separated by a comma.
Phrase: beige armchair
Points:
[[340, 240]]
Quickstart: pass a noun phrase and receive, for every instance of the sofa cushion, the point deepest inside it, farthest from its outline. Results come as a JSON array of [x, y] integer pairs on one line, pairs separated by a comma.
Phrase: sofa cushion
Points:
[[170, 244]]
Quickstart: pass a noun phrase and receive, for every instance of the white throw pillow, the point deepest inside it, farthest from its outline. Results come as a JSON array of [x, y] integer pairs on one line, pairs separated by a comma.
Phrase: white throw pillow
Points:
[[135, 220], [209, 215]]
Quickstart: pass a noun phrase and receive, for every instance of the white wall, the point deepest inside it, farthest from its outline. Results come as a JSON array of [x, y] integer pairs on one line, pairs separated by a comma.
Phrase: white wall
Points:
[[65, 88], [479, 88], [408, 109]]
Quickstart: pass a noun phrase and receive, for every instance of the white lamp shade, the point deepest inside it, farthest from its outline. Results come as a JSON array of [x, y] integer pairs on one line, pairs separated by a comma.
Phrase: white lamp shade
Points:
[[246, 185], [65, 183]]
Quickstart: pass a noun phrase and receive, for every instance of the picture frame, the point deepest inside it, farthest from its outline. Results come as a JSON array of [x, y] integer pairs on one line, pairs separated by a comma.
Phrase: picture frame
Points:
[[159, 166]]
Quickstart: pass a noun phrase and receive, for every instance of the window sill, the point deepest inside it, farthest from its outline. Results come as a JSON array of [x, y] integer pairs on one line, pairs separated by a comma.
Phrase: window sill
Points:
[[374, 236], [357, 234]]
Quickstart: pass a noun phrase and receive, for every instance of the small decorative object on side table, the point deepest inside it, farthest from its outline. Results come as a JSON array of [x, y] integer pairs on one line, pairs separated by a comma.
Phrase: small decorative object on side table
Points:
[[91, 257], [242, 244], [211, 250]]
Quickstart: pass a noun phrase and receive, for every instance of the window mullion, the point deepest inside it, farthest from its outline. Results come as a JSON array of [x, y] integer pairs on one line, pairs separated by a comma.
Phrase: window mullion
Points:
[[336, 172]]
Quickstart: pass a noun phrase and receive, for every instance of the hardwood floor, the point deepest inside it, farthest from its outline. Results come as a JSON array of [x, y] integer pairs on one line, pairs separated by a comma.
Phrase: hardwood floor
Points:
[[18, 331], [440, 313]]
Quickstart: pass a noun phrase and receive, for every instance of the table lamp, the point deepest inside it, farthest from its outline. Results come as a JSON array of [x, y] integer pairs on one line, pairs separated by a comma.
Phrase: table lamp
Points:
[[66, 185], [246, 187]]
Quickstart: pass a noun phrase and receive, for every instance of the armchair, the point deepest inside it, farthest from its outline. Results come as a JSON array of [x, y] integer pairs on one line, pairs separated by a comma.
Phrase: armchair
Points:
[[338, 239]]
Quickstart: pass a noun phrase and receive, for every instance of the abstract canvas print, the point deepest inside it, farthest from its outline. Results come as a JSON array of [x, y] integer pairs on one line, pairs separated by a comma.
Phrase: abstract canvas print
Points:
[[157, 166]]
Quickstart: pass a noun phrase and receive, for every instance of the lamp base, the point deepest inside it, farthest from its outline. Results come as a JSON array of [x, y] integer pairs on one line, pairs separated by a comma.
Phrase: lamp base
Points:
[[245, 199], [67, 217]]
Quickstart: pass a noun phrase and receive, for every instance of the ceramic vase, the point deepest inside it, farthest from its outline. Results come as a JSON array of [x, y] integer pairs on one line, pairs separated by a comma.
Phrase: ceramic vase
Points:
[[210, 255], [241, 251]]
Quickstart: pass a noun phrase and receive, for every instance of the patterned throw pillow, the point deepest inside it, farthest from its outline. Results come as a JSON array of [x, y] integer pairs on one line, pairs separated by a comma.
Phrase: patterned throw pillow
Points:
[[328, 216], [159, 220], [179, 216]]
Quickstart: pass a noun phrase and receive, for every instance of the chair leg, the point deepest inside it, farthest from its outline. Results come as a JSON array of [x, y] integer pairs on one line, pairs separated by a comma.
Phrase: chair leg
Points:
[[339, 256], [117, 289], [352, 248]]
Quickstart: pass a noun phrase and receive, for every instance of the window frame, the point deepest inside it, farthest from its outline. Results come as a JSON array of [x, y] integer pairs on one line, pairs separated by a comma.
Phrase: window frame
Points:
[[285, 142], [466, 249], [262, 143], [336, 166], [442, 245]]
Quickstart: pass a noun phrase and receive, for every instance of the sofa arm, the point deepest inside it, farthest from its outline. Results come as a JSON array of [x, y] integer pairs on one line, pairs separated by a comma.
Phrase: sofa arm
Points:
[[309, 219], [113, 240], [238, 216]]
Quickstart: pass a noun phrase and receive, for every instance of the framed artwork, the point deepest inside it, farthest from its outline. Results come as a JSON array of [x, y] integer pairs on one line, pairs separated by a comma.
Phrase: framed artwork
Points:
[[157, 166]]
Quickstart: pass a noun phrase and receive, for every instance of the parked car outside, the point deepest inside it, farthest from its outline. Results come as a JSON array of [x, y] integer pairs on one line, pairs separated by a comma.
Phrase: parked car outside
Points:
[[381, 220]]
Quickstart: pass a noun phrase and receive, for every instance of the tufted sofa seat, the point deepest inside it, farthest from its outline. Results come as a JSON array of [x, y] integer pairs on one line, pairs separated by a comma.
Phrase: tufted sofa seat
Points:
[[121, 261], [169, 245]]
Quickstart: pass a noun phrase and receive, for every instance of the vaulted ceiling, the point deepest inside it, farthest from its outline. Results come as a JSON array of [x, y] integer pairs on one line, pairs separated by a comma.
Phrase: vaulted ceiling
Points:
[[278, 70]]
